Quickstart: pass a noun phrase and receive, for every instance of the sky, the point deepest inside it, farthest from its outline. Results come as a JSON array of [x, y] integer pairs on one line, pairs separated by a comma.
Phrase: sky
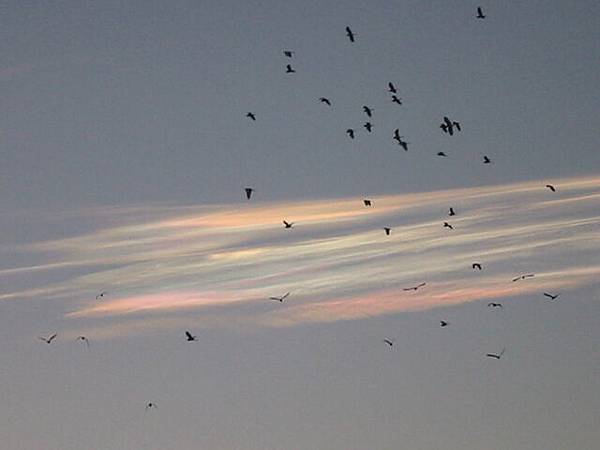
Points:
[[125, 153]]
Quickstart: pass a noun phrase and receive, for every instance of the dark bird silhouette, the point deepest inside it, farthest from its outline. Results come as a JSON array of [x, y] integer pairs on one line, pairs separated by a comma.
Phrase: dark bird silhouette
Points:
[[476, 266], [251, 115], [368, 126], [101, 295], [552, 188], [350, 34], [522, 277], [389, 342], [325, 100], [495, 305], [442, 154], [151, 405], [84, 339], [496, 356], [486, 160], [288, 69], [447, 225], [190, 337], [443, 323], [350, 132], [367, 202], [448, 126], [414, 288], [280, 299], [288, 224], [368, 111], [480, 14], [451, 212], [398, 139], [288, 53], [397, 100], [550, 296], [48, 340], [392, 88], [249, 192], [387, 230]]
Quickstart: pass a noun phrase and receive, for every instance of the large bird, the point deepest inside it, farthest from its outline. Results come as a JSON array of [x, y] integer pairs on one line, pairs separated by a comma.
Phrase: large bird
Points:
[[288, 224], [414, 288], [496, 355], [550, 296], [280, 299], [480, 14], [249, 192], [350, 34], [522, 277], [49, 339], [476, 266], [368, 111], [325, 100], [448, 126], [251, 115], [552, 188]]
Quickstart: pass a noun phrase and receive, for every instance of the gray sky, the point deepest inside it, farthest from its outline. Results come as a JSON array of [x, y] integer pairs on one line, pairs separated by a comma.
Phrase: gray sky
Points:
[[125, 151]]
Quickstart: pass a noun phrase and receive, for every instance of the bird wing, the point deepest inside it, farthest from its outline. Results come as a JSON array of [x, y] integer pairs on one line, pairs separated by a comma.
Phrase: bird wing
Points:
[[285, 295], [51, 338], [189, 335]]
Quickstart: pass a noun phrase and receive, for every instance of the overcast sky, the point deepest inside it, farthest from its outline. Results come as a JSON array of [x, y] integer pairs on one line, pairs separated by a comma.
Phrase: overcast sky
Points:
[[124, 153]]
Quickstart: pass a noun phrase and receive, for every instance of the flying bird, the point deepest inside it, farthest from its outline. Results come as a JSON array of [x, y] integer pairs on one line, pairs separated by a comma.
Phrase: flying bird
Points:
[[389, 342], [367, 202], [249, 192], [251, 115], [495, 305], [350, 132], [151, 405], [552, 188], [84, 339], [480, 14], [398, 139], [550, 296], [190, 337], [486, 160], [368, 126], [288, 224], [496, 356], [447, 225], [414, 288], [288, 53], [476, 266], [48, 340], [451, 212], [368, 111], [443, 323], [448, 126], [101, 295], [397, 100], [350, 34], [280, 299], [392, 88], [288, 69], [522, 277], [442, 154], [387, 230], [325, 100]]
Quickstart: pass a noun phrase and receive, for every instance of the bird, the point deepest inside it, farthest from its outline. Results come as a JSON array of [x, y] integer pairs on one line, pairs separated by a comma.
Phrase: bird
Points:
[[447, 225], [392, 88], [84, 339], [476, 266], [397, 100], [486, 160], [368, 111], [522, 277], [190, 337], [387, 230], [398, 138], [101, 295], [280, 299], [496, 356], [249, 192], [288, 53], [480, 14], [48, 340], [448, 126], [414, 288], [451, 212], [350, 132], [151, 405], [325, 100], [350, 34], [552, 188], [389, 342], [442, 154], [368, 126], [550, 296], [288, 69], [251, 115], [443, 323], [495, 305], [367, 202], [288, 224]]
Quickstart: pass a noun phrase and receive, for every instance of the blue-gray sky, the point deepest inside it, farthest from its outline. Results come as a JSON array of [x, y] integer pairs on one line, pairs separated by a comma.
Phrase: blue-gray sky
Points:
[[125, 151]]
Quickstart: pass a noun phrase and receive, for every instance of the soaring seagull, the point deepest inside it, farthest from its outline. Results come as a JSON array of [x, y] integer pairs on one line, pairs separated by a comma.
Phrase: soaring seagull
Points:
[[550, 296], [414, 288], [350, 34], [522, 277], [496, 356], [447, 225], [325, 100], [552, 188], [288, 224], [280, 299], [48, 340]]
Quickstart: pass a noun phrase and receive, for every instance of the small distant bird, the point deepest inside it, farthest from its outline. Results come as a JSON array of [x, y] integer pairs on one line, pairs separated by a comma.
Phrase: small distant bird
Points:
[[288, 53], [251, 115], [552, 188], [486, 160], [350, 132], [368, 111], [368, 126], [367, 202], [550, 296], [84, 339], [442, 154], [288, 69], [496, 356], [392, 88], [480, 14], [522, 277], [447, 225], [387, 230], [280, 299], [398, 139], [448, 126], [443, 323], [151, 406], [288, 224], [350, 34], [389, 342], [397, 100], [249, 192], [101, 295], [476, 266], [414, 288], [495, 305], [325, 100], [48, 340], [190, 337], [451, 212]]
